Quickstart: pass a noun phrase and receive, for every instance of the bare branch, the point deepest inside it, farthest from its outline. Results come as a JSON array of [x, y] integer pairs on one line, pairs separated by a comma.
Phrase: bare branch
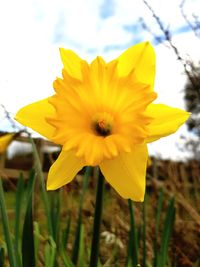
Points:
[[11, 121], [166, 32], [196, 26], [158, 39], [168, 37]]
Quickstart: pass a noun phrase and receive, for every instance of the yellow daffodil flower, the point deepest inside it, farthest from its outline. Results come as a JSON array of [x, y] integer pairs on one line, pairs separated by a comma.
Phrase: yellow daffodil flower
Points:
[[5, 140], [102, 114]]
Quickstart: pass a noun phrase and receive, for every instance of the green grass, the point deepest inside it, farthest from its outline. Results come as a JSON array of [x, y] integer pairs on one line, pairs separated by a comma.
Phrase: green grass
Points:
[[144, 234]]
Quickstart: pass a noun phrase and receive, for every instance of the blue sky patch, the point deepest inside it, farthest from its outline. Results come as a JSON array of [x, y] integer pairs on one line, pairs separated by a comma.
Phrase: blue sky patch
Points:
[[107, 9]]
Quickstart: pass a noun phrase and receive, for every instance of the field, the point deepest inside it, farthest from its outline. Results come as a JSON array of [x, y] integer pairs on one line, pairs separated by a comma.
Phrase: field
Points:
[[166, 225]]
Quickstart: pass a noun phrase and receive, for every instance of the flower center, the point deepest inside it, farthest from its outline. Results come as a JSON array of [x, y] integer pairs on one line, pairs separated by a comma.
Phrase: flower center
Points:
[[102, 124], [102, 128]]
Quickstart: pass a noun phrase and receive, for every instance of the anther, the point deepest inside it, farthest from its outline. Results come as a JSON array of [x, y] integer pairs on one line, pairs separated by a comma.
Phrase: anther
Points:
[[101, 128]]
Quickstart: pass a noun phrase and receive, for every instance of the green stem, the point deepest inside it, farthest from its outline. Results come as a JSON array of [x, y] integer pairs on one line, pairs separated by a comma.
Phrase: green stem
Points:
[[133, 235], [97, 222], [6, 227]]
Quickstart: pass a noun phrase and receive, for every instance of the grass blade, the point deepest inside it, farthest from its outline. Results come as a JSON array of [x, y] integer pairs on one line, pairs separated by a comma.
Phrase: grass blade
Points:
[[75, 252], [159, 209], [65, 236], [168, 226], [66, 260], [65, 233], [55, 213], [42, 183], [82, 262], [157, 222], [94, 256], [18, 207], [50, 253], [36, 240], [2, 256], [6, 228], [28, 249]]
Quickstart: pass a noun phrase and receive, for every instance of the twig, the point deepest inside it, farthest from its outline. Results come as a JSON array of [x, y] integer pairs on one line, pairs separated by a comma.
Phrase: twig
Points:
[[195, 27], [8, 117], [168, 38]]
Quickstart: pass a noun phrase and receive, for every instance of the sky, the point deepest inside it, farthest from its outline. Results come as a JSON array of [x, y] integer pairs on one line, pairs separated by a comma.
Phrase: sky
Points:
[[33, 30]]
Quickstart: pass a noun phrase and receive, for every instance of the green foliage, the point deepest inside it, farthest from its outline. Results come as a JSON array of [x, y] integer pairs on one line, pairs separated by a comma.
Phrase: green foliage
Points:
[[2, 256], [161, 255], [28, 248], [18, 213], [94, 255], [133, 238], [77, 239], [6, 229], [63, 242], [36, 240], [38, 169], [137, 235], [55, 247], [50, 252]]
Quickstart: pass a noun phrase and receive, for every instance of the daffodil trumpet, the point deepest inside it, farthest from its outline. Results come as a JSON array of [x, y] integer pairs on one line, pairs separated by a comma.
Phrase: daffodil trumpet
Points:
[[103, 115]]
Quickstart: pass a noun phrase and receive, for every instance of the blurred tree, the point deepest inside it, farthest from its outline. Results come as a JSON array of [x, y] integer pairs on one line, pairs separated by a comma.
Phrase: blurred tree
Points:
[[192, 98]]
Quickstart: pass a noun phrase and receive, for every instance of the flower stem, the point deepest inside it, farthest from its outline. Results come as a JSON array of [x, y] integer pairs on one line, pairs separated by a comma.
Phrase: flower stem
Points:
[[97, 222]]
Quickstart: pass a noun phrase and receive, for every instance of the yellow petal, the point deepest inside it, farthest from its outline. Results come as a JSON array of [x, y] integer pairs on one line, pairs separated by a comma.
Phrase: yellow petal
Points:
[[166, 120], [63, 170], [71, 62], [34, 116], [141, 60], [5, 141], [126, 173]]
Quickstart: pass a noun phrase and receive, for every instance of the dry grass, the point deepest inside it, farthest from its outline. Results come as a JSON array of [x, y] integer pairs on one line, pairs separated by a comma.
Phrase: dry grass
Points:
[[178, 179]]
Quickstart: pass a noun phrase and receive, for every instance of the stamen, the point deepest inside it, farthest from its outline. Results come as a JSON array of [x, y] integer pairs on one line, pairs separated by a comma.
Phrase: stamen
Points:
[[102, 128], [102, 124]]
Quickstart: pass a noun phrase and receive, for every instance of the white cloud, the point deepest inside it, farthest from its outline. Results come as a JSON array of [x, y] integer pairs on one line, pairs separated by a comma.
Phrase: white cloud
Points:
[[32, 31]]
